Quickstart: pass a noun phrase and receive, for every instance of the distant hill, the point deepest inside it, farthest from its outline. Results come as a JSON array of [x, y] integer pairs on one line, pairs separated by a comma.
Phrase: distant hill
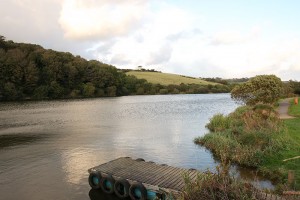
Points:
[[168, 79]]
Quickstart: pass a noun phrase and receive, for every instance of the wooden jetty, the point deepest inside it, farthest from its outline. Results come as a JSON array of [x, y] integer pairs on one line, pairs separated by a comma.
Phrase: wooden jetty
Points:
[[161, 179]]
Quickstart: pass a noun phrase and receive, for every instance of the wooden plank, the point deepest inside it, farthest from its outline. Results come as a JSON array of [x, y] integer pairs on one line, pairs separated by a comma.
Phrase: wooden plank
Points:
[[173, 175], [179, 181], [163, 175], [158, 175], [156, 172], [145, 169], [192, 174], [127, 170], [115, 168], [170, 182]]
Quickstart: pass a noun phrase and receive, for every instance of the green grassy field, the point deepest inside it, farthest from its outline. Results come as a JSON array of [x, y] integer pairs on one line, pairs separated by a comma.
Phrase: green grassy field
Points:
[[276, 162], [294, 110], [167, 79], [293, 127]]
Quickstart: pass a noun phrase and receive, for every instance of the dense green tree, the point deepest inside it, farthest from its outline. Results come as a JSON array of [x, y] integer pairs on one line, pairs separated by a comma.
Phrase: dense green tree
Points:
[[294, 86], [111, 91], [89, 90], [140, 91], [163, 91], [41, 92], [10, 91], [55, 90], [260, 89]]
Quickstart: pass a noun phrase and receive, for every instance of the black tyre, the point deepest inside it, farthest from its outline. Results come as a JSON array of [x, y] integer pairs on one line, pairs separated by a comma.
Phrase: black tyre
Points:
[[137, 191], [107, 184], [94, 180], [121, 188]]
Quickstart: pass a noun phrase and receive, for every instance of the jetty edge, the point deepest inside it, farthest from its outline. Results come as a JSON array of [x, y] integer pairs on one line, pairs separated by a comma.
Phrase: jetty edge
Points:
[[138, 179]]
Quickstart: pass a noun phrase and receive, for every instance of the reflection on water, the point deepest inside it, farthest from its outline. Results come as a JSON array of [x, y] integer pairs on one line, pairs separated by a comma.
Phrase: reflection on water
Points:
[[20, 139], [46, 147], [75, 161], [255, 178], [98, 195]]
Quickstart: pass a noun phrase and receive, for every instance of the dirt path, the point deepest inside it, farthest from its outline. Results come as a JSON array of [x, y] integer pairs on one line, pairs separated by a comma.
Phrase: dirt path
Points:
[[283, 109]]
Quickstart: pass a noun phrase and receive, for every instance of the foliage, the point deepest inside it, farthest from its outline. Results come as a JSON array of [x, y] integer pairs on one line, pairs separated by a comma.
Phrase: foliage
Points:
[[217, 80], [255, 137], [260, 89], [219, 186], [287, 90], [29, 71], [294, 86], [237, 80], [218, 123], [246, 135]]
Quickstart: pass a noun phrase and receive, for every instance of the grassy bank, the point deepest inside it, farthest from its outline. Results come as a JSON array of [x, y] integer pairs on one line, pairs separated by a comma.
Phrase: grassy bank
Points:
[[255, 137], [168, 79]]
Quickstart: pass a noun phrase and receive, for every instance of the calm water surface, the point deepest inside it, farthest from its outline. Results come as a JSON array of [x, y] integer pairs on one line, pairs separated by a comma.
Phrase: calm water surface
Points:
[[47, 147]]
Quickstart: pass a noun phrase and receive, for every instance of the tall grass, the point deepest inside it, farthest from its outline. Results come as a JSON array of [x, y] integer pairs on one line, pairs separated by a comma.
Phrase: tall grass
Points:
[[214, 186], [218, 123], [247, 136]]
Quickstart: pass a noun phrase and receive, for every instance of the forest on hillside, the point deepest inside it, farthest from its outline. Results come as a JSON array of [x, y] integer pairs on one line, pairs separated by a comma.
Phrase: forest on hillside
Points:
[[29, 71]]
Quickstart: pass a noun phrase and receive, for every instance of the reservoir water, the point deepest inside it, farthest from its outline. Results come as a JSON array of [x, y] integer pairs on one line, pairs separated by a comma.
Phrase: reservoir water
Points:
[[46, 147]]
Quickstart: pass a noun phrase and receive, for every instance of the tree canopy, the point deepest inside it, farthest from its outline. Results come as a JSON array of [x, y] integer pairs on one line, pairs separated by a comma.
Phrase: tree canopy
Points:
[[259, 89], [28, 71]]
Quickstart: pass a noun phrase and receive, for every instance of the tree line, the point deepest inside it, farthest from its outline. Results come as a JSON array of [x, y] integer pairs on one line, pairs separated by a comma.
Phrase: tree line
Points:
[[29, 71]]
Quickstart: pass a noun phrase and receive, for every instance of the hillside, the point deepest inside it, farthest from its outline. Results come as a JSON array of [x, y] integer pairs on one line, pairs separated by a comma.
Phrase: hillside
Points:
[[29, 71], [168, 79]]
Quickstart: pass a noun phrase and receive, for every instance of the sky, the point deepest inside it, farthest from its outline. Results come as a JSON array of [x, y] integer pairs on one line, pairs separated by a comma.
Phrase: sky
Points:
[[200, 38]]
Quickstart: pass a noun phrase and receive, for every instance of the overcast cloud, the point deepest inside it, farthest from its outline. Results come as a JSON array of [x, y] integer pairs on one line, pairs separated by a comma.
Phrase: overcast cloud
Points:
[[196, 38]]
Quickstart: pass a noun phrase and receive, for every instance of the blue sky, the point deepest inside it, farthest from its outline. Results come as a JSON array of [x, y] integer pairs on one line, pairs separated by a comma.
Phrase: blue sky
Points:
[[212, 38]]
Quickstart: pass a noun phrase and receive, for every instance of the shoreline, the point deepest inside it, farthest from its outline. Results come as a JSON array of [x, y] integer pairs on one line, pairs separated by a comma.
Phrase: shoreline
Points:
[[105, 97]]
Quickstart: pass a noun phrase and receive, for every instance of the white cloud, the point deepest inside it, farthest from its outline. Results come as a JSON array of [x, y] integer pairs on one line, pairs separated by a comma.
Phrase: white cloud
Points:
[[154, 34], [160, 55], [151, 44], [91, 19], [234, 37], [27, 20]]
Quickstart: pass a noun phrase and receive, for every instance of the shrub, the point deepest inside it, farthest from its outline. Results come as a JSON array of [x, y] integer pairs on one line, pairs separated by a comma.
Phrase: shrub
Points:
[[259, 89], [245, 136], [140, 91], [163, 91], [209, 186]]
